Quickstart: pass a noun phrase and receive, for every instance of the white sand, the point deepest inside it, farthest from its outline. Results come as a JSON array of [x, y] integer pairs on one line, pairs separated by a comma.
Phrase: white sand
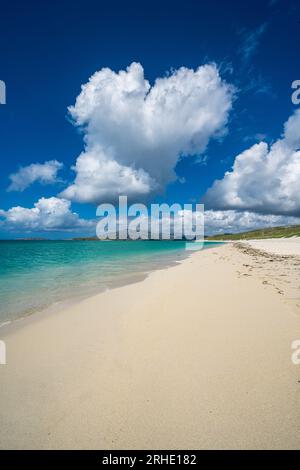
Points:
[[195, 356], [279, 246]]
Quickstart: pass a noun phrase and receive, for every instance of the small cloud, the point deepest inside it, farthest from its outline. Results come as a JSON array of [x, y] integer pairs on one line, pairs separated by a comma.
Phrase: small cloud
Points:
[[182, 180], [201, 159], [256, 137], [226, 68], [260, 137], [250, 42], [44, 173], [258, 85]]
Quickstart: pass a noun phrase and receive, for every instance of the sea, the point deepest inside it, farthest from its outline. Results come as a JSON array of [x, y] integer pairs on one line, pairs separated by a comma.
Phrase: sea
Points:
[[37, 274]]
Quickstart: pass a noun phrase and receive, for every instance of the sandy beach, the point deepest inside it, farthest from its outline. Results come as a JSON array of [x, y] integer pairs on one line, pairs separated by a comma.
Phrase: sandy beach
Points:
[[195, 356], [279, 246]]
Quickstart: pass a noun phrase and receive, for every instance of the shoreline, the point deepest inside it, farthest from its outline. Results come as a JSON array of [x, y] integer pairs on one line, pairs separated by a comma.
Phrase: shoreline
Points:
[[122, 280], [197, 355]]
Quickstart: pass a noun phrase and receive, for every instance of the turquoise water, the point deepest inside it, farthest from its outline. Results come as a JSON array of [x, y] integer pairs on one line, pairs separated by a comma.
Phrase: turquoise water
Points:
[[37, 274]]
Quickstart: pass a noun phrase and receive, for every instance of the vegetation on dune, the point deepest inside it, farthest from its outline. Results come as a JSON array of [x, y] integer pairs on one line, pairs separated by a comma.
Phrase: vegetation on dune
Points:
[[271, 232]]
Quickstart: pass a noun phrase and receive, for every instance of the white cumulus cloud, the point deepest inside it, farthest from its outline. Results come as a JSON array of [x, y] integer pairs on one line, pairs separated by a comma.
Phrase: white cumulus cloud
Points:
[[99, 177], [232, 221], [48, 214], [264, 178], [45, 173], [135, 133]]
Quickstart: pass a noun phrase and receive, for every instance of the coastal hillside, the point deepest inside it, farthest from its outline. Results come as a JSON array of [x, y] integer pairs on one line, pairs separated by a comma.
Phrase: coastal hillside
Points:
[[271, 232]]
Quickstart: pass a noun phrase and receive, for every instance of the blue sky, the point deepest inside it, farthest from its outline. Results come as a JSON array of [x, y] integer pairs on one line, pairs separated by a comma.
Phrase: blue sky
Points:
[[49, 49]]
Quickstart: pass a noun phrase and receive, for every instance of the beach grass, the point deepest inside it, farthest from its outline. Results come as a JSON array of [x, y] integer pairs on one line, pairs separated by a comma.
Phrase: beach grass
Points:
[[271, 232]]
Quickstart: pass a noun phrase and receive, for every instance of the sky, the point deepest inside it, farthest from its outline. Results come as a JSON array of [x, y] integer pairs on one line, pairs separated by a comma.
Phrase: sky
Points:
[[177, 102]]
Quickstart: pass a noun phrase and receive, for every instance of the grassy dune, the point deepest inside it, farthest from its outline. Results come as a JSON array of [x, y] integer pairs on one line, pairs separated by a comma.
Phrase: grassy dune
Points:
[[272, 232]]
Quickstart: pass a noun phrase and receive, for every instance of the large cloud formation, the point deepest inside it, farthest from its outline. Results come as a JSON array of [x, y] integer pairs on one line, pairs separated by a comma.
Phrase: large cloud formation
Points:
[[264, 179], [134, 133], [48, 214], [44, 173]]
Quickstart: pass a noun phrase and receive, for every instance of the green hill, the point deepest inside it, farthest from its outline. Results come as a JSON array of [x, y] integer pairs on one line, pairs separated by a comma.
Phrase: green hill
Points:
[[272, 232]]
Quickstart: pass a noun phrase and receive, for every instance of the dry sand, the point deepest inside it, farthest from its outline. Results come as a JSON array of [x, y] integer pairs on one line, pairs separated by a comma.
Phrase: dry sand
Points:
[[195, 356], [279, 246]]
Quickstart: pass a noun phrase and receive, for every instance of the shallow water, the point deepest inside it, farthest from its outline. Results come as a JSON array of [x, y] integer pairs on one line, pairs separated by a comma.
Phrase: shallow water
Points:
[[37, 274]]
